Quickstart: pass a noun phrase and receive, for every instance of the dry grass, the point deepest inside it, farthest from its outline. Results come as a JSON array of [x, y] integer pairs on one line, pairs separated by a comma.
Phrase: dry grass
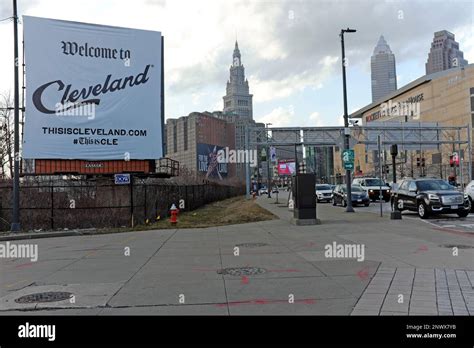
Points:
[[236, 210], [231, 211]]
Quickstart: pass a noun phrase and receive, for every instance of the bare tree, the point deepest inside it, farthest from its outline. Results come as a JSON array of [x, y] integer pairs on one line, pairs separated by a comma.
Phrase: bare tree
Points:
[[6, 135]]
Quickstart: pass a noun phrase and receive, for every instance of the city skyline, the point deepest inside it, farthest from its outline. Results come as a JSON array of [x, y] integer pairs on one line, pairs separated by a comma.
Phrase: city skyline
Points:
[[293, 62]]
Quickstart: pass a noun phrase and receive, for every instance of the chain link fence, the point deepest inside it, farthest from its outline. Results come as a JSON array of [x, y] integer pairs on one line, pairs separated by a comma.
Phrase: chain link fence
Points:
[[96, 205]]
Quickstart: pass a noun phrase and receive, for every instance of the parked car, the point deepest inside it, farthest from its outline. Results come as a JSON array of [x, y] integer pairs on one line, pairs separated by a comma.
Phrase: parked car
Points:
[[323, 193], [358, 194], [429, 197], [263, 191], [275, 189], [469, 190], [372, 187]]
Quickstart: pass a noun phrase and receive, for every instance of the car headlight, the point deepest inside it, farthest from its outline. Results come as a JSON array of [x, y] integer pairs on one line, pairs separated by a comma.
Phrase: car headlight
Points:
[[433, 197], [371, 190]]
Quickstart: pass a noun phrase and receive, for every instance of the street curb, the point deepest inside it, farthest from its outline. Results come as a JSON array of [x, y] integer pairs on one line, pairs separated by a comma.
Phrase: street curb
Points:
[[40, 235], [24, 236]]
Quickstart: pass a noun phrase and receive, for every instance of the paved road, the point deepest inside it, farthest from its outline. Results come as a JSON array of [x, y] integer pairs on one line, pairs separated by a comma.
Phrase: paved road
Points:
[[277, 268]]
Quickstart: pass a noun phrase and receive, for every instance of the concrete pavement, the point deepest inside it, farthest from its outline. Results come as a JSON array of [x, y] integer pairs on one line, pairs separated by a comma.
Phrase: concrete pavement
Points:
[[269, 267]]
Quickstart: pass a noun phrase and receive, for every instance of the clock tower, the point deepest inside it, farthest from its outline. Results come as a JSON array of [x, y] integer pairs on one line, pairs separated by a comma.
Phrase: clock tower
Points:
[[238, 100]]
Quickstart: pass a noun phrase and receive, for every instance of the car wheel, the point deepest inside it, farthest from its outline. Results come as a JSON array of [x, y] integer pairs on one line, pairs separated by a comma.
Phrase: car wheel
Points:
[[366, 204], [463, 213], [334, 201], [423, 210]]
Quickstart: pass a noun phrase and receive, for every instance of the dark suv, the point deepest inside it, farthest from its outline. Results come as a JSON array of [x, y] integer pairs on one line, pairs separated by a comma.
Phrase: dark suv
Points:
[[430, 196]]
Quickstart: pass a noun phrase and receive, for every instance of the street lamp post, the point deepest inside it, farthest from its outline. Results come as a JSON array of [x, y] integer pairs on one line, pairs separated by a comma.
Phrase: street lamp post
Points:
[[268, 161], [349, 208]]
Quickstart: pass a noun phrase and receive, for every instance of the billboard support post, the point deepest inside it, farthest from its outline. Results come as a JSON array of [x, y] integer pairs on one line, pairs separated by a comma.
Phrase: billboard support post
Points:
[[163, 140], [15, 226]]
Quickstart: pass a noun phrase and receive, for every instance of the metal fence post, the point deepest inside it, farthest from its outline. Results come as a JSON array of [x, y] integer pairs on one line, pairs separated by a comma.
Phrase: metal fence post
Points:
[[131, 200], [145, 203], [52, 207]]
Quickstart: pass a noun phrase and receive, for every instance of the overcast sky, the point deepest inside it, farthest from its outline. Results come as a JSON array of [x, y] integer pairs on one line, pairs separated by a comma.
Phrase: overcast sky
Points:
[[290, 49]]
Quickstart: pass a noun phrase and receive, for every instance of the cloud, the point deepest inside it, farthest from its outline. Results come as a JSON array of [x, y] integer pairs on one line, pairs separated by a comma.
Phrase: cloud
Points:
[[287, 46], [272, 89], [279, 117]]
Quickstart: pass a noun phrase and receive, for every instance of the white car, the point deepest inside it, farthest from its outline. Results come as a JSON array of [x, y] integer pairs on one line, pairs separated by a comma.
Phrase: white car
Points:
[[470, 191], [323, 193]]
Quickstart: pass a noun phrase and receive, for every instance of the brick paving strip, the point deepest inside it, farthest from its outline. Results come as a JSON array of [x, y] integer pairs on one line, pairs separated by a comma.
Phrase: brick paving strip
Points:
[[418, 291]]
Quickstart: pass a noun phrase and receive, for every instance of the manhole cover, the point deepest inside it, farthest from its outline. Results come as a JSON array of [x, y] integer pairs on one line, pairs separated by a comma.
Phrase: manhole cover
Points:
[[52, 296], [242, 271], [459, 246], [251, 245]]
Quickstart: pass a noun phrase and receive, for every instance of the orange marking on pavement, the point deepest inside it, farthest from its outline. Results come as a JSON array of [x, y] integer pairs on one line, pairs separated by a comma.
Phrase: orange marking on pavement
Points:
[[363, 273], [422, 248]]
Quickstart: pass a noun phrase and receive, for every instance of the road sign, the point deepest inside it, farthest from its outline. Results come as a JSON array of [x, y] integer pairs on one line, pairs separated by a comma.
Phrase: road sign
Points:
[[348, 166], [348, 159], [348, 155], [122, 179], [273, 156]]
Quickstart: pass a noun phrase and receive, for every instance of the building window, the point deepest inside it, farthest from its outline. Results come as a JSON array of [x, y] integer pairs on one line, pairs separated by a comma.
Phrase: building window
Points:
[[175, 137], [185, 134]]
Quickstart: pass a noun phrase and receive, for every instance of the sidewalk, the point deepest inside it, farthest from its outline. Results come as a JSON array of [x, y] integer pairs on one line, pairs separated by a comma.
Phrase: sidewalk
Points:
[[269, 267], [416, 276]]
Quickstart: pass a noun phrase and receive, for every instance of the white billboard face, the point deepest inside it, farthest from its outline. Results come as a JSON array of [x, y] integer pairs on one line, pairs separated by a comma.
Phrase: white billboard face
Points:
[[92, 91]]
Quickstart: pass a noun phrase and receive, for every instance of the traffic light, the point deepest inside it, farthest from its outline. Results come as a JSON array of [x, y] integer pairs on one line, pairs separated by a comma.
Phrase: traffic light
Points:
[[387, 169], [423, 162], [451, 161], [275, 171], [418, 161], [302, 167]]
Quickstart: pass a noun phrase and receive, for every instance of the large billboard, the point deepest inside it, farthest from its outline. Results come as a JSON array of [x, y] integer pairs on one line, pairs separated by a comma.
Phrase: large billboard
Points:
[[208, 164], [92, 91]]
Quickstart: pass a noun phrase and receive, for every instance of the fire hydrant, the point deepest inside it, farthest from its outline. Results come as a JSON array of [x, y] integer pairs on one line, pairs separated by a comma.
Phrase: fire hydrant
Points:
[[174, 214]]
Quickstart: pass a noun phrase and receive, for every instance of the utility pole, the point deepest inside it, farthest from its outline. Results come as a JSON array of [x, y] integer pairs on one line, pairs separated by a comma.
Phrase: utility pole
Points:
[[349, 208], [15, 226], [268, 161]]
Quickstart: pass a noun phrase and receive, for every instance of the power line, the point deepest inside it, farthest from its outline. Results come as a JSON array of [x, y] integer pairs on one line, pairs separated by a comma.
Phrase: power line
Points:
[[5, 19]]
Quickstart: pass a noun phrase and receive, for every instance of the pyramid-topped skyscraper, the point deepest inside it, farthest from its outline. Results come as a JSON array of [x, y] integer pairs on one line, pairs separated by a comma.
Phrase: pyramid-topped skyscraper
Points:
[[384, 74]]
